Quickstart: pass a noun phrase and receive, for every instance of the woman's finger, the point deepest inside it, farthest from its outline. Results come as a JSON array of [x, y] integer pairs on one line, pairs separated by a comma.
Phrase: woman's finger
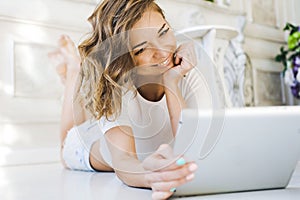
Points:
[[161, 176], [188, 54], [187, 63], [177, 60], [160, 195], [185, 58], [167, 186]]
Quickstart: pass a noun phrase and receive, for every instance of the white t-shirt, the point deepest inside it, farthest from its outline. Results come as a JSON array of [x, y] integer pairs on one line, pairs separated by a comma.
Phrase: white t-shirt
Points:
[[150, 121]]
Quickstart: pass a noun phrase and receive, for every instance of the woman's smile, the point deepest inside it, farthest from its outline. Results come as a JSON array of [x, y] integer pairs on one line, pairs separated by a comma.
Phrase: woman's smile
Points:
[[167, 61]]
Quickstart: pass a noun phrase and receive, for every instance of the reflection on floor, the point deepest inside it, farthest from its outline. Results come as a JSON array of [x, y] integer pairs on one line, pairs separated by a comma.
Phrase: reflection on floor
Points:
[[49, 181]]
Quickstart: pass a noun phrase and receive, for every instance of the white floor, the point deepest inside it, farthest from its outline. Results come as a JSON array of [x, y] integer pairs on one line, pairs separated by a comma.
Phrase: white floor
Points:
[[49, 181]]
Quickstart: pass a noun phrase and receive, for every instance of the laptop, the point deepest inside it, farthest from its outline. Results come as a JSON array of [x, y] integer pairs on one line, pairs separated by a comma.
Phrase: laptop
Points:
[[242, 149]]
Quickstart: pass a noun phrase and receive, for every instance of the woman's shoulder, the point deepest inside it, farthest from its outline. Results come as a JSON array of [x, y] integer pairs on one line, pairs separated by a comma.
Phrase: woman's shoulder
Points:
[[128, 93]]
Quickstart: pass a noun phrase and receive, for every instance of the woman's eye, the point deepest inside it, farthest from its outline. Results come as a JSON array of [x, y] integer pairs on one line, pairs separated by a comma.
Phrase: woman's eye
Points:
[[139, 51], [164, 32]]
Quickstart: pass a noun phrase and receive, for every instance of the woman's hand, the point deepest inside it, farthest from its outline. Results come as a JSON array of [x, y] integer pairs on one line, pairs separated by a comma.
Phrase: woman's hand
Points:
[[167, 172], [65, 58], [185, 60]]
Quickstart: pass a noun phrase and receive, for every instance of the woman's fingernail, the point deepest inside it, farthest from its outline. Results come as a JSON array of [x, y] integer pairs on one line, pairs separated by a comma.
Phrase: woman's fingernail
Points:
[[190, 177], [173, 190], [180, 162], [193, 167]]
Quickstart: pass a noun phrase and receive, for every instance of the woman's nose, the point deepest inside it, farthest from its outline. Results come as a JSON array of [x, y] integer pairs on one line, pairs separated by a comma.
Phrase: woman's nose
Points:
[[160, 53]]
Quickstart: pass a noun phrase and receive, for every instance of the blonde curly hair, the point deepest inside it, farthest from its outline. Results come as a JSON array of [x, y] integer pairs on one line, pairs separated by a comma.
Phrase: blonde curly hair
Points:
[[106, 57]]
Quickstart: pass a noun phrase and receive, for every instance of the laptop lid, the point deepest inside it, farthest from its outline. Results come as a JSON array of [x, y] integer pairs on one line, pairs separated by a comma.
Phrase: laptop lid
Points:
[[239, 149]]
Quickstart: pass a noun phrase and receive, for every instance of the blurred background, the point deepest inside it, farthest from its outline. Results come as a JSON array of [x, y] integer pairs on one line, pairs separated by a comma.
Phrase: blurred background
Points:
[[241, 36]]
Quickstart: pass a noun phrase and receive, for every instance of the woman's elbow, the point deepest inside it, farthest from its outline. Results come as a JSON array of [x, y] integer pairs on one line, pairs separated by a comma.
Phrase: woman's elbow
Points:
[[131, 179]]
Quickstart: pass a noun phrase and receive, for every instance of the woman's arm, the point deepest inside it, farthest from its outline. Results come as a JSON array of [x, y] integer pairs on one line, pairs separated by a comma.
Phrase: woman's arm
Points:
[[185, 60], [175, 103], [159, 171], [121, 145]]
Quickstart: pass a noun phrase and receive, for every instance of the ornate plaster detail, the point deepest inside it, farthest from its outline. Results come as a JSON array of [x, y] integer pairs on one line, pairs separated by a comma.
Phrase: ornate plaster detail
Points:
[[234, 77]]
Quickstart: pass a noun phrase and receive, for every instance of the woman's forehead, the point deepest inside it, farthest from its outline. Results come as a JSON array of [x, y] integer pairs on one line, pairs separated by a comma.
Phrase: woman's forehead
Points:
[[150, 19], [147, 28]]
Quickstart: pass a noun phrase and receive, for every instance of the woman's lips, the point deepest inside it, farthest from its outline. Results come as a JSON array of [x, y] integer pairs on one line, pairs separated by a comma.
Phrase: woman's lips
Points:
[[166, 62]]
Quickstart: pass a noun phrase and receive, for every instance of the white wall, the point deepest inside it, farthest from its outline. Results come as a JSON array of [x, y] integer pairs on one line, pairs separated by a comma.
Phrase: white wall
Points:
[[30, 92]]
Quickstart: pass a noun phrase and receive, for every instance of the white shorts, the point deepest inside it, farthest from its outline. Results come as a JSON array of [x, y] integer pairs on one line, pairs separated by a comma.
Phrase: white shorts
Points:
[[77, 146]]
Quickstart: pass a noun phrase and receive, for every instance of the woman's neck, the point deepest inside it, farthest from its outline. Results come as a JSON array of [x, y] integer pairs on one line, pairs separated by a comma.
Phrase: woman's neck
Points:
[[150, 88]]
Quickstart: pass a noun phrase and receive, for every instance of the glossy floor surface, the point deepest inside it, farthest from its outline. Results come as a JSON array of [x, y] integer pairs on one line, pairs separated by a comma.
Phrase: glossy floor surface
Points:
[[49, 181]]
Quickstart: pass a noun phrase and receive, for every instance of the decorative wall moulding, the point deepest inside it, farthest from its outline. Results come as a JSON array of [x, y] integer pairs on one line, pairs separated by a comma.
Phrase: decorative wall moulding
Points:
[[268, 87], [34, 75], [92, 2], [42, 24], [268, 83], [263, 32], [48, 13], [259, 48], [265, 12], [221, 6]]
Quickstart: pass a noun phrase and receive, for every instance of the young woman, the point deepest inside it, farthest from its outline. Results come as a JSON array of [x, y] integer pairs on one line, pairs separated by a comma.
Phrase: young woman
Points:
[[133, 83]]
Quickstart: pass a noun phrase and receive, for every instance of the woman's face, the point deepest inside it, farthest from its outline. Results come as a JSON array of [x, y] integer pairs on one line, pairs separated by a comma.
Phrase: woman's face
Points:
[[152, 44]]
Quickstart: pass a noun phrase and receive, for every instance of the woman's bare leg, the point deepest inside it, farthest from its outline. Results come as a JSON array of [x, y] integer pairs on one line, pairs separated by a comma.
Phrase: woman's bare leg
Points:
[[68, 65]]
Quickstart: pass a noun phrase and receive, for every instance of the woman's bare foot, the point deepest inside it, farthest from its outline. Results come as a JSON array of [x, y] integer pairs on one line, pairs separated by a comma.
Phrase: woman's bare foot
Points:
[[65, 58]]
